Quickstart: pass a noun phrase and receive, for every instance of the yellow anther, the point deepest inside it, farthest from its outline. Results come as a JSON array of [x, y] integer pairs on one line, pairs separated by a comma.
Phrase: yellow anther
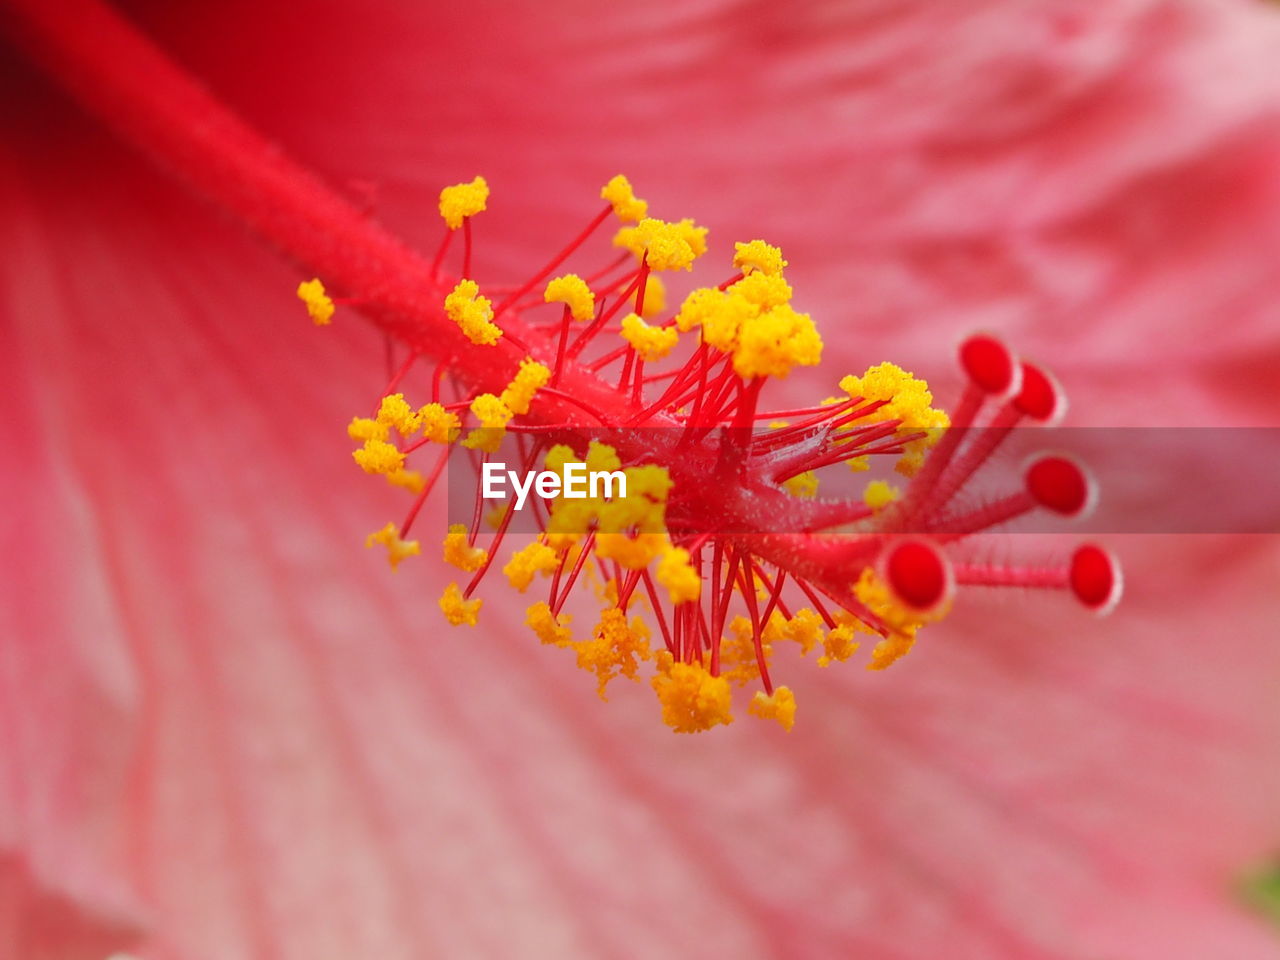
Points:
[[776, 341], [804, 485], [493, 518], [473, 313], [692, 700], [763, 290], [722, 328], [677, 574], [634, 553], [775, 628], [692, 234], [361, 429], [463, 200], [551, 630], [780, 707], [378, 456], [652, 343], [558, 456], [494, 415], [890, 650], [461, 554], [738, 663], [758, 257], [665, 246], [457, 610], [838, 645], [697, 306], [537, 557], [530, 378], [626, 206], [395, 412], [601, 456], [438, 424], [397, 549], [908, 399], [650, 481], [880, 494], [410, 480], [903, 622], [805, 628], [319, 306], [615, 649], [655, 297], [572, 291]]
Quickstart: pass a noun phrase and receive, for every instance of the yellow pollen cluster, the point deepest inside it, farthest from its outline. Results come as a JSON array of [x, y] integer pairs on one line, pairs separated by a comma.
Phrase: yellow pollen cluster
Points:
[[804, 629], [529, 379], [397, 549], [463, 200], [438, 424], [461, 554], [909, 400], [780, 707], [361, 429], [378, 456], [457, 610], [665, 246], [879, 494], [692, 699], [754, 322], [903, 622], [838, 645], [630, 529], [319, 307], [651, 343], [537, 557], [473, 313], [572, 291], [394, 411], [804, 485], [738, 662], [758, 257], [494, 415], [626, 206], [616, 648], [410, 480], [676, 573], [550, 629]]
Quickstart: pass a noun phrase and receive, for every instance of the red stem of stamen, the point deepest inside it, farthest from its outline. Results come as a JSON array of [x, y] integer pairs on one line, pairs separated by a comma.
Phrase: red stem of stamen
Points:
[[397, 377], [641, 283], [426, 492], [993, 514], [987, 443], [558, 259], [749, 594], [566, 319], [583, 553], [657, 610], [989, 575], [466, 248]]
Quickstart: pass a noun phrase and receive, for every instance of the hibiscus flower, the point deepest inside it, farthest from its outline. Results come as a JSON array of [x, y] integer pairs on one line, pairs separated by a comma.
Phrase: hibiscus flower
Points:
[[227, 732]]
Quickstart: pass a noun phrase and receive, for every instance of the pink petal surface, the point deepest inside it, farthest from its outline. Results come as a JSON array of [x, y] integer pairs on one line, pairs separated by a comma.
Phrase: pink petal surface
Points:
[[227, 729]]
